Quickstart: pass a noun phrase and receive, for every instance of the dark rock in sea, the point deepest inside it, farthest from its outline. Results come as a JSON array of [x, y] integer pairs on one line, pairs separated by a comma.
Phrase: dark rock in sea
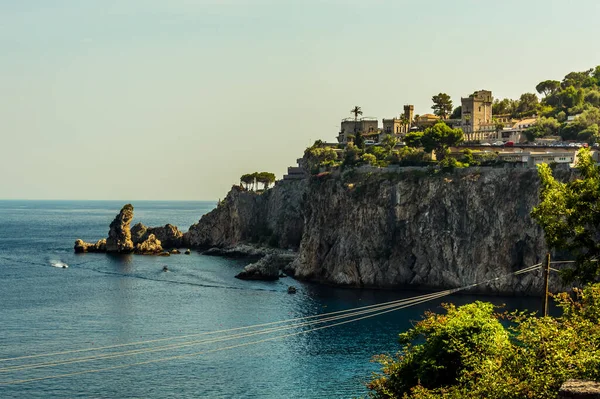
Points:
[[82, 246], [164, 254], [119, 234], [291, 289], [175, 252], [240, 251], [188, 252], [165, 269], [267, 268], [150, 246], [169, 235]]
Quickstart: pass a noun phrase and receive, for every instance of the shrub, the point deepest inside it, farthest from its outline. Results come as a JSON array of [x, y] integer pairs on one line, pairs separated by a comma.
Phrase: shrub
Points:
[[467, 353]]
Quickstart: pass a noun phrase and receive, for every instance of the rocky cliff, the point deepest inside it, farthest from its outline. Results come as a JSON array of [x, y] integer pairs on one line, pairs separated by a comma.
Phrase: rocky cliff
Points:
[[272, 218], [376, 228]]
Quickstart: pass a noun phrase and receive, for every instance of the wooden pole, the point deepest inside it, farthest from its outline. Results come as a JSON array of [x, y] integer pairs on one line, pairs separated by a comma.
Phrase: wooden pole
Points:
[[546, 278]]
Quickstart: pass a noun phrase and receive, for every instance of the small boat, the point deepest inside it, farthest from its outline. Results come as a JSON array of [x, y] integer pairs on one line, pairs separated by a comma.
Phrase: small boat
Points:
[[165, 269]]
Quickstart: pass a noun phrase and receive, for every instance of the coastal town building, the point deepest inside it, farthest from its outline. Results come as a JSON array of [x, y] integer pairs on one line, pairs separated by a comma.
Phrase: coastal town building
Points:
[[426, 120], [353, 126], [476, 112]]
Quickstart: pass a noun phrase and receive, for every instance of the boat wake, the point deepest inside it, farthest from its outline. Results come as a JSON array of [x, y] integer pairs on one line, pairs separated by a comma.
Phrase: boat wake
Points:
[[59, 264]]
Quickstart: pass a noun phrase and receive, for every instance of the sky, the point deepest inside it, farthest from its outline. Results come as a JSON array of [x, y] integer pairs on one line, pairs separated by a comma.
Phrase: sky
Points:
[[175, 99]]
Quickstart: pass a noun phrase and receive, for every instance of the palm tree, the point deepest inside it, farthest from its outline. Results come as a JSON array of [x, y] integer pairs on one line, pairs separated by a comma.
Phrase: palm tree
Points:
[[356, 111], [404, 122]]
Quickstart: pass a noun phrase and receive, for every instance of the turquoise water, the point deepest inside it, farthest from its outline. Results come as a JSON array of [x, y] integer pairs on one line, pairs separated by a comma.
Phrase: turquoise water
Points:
[[102, 300]]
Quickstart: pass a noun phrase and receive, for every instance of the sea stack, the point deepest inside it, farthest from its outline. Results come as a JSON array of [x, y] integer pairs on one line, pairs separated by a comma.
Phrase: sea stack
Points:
[[119, 235]]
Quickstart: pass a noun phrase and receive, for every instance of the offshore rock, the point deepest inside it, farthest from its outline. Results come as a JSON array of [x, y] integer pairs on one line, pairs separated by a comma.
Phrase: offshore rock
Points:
[[82, 246], [150, 246], [272, 218], [239, 251], [267, 268], [169, 235], [119, 234]]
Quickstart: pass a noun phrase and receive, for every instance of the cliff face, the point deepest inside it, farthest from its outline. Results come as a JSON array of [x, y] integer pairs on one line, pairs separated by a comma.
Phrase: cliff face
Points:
[[405, 228], [427, 231], [273, 218]]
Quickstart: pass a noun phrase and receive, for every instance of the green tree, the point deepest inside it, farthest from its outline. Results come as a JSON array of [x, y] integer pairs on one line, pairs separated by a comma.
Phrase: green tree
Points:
[[452, 346], [504, 107], [589, 134], [369, 159], [435, 138], [414, 139], [467, 354], [351, 155], [389, 142], [442, 105], [359, 141], [528, 103], [457, 113], [356, 111], [578, 79], [247, 179], [405, 122], [569, 213], [266, 179], [542, 127], [317, 156], [548, 87]]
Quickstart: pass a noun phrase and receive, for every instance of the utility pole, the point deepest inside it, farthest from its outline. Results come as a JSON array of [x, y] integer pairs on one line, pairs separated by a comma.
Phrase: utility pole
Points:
[[546, 278]]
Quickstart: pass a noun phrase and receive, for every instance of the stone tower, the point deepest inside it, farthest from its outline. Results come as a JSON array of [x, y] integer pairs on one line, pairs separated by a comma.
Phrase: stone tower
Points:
[[409, 111], [477, 110]]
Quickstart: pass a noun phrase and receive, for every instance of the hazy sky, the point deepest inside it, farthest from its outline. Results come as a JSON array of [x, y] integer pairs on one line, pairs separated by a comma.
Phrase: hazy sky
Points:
[[175, 99]]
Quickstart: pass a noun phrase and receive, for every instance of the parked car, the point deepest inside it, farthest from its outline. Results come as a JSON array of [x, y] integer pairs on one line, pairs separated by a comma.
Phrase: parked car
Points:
[[369, 142], [509, 144]]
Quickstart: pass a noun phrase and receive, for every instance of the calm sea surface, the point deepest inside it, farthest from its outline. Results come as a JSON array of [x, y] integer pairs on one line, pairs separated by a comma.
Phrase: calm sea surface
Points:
[[102, 300]]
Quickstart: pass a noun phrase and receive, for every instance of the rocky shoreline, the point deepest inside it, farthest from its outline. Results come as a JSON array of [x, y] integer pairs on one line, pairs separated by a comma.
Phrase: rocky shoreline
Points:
[[368, 229], [268, 263]]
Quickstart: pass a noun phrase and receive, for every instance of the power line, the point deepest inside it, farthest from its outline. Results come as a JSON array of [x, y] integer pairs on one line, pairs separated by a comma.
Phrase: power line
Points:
[[378, 309]]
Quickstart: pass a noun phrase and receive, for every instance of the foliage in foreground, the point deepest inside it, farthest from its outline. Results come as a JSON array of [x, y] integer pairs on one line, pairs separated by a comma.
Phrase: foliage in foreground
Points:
[[467, 353], [570, 216]]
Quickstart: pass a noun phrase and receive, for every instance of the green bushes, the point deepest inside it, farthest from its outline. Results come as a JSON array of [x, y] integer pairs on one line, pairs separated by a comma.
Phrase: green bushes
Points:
[[467, 353]]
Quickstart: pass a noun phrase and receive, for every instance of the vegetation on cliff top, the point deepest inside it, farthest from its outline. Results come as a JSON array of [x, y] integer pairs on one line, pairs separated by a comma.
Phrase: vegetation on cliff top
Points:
[[576, 96], [251, 180]]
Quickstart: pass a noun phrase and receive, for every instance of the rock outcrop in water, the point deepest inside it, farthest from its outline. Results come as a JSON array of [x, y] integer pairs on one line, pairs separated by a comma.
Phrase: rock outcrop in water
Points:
[[82, 246], [267, 268], [119, 234], [140, 240], [151, 245], [168, 235], [387, 229]]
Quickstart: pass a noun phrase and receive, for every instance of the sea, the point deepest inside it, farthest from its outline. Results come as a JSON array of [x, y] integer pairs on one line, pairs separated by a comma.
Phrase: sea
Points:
[[105, 326]]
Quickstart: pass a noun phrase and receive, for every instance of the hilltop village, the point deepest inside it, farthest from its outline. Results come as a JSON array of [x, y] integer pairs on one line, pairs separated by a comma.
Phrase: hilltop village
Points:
[[548, 127]]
